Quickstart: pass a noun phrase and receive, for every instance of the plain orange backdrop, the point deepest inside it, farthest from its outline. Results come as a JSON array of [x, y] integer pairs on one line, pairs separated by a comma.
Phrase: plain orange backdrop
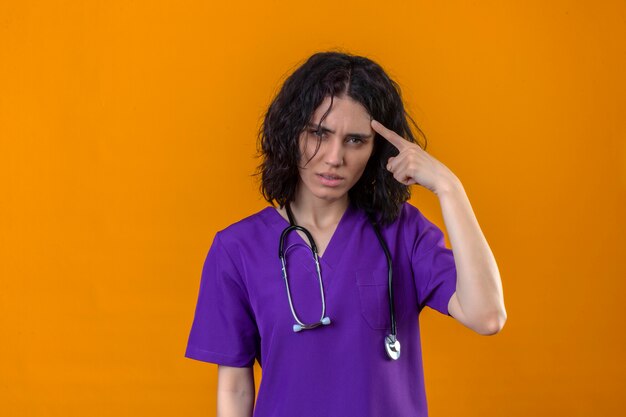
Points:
[[128, 138]]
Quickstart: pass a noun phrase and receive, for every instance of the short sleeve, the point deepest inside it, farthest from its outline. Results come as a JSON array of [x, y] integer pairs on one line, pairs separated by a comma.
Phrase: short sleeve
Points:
[[433, 264], [224, 330]]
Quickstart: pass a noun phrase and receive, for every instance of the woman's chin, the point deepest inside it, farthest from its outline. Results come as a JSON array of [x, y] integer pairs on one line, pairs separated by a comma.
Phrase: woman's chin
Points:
[[330, 195]]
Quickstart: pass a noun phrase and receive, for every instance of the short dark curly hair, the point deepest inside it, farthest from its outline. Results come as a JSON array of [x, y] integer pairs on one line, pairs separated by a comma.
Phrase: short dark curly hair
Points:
[[334, 73]]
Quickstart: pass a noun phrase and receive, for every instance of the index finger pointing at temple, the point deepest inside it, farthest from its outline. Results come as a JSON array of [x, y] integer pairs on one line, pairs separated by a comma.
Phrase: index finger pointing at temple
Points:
[[395, 139]]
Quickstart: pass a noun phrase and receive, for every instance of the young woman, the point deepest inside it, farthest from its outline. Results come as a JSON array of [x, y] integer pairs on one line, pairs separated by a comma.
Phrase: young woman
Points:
[[325, 290]]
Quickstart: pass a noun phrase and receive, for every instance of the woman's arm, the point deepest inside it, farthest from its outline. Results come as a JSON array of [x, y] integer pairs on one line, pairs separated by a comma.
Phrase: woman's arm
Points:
[[235, 391], [478, 302]]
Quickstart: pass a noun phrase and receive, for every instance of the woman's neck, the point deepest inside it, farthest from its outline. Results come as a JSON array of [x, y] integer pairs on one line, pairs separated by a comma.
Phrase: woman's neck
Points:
[[318, 214]]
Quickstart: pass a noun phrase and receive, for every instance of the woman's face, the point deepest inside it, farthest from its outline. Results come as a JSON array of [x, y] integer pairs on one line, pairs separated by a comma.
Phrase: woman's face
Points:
[[347, 141]]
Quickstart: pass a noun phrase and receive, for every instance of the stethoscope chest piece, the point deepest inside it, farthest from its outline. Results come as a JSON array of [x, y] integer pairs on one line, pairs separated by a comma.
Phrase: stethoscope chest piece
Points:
[[392, 346]]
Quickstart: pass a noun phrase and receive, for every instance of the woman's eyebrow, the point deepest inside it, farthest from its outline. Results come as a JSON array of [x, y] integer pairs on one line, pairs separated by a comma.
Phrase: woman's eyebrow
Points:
[[326, 129]]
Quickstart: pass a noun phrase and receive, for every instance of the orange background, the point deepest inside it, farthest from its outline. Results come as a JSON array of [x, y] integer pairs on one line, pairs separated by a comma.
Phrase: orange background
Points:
[[127, 139]]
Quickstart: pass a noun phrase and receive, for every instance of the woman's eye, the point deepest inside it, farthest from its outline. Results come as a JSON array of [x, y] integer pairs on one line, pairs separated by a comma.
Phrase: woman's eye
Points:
[[317, 133], [358, 140]]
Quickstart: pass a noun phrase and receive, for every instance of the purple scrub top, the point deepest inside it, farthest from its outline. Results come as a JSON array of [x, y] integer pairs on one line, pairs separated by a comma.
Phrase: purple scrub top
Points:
[[242, 313]]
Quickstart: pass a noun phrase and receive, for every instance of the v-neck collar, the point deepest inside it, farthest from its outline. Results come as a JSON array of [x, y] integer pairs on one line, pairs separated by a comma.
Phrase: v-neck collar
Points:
[[332, 253]]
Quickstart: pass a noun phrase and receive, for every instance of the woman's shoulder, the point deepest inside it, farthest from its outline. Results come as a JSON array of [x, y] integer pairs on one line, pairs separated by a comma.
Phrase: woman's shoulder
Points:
[[409, 215], [248, 227], [411, 221]]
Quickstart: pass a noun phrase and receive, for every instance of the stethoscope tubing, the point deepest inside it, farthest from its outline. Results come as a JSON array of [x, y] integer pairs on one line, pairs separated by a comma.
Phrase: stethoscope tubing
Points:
[[281, 254], [325, 320], [392, 315]]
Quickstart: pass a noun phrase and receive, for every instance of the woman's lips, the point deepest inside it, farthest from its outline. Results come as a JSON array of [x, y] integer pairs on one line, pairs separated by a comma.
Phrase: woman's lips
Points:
[[328, 181]]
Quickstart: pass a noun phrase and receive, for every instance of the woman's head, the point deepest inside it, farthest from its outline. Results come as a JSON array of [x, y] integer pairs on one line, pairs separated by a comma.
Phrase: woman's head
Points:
[[341, 93]]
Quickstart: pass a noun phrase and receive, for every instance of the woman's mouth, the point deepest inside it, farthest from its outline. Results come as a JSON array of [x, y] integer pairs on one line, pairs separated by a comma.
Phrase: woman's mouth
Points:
[[329, 180]]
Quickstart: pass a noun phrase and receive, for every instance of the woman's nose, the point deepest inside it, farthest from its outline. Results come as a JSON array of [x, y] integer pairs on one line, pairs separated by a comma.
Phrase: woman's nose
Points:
[[334, 153]]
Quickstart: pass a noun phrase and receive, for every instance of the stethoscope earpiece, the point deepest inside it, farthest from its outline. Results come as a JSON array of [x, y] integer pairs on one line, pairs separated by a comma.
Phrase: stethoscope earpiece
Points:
[[298, 327]]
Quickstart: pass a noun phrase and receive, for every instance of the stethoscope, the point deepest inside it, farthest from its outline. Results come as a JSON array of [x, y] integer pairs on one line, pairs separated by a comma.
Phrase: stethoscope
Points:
[[392, 345]]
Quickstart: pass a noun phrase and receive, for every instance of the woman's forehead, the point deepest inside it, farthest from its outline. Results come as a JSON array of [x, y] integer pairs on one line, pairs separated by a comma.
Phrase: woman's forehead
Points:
[[345, 112]]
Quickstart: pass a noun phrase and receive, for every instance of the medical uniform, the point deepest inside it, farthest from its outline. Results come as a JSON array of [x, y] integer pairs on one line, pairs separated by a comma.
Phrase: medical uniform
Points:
[[342, 369]]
